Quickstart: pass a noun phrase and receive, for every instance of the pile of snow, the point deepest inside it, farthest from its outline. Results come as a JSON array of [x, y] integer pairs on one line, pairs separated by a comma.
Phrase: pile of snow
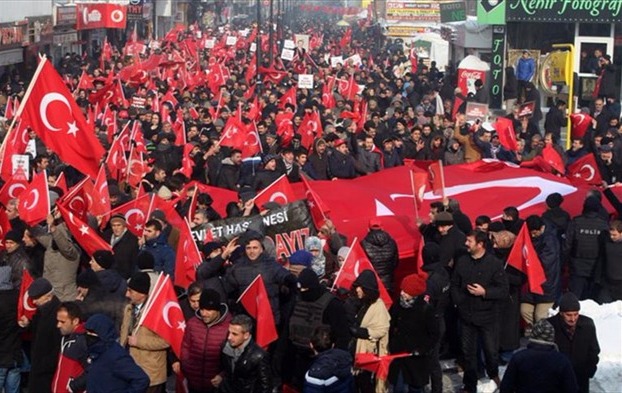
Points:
[[608, 321]]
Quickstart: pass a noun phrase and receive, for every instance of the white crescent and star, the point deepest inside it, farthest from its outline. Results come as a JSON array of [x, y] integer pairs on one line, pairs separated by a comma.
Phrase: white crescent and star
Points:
[[590, 169], [277, 195], [35, 200], [166, 311], [26, 303], [43, 107], [15, 187]]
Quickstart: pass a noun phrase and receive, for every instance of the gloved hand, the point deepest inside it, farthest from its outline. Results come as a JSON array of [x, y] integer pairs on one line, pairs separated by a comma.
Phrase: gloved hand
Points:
[[359, 332]]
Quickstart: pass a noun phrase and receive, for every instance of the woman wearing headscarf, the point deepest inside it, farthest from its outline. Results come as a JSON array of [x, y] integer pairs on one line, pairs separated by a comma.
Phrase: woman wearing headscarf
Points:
[[323, 263]]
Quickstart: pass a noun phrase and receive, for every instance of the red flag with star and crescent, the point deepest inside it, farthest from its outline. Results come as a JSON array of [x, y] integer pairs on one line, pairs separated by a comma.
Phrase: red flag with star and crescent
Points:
[[13, 188], [188, 257], [356, 261], [25, 306], [584, 171], [524, 258], [257, 303], [318, 209], [5, 226], [86, 236], [34, 201], [15, 143], [280, 191], [310, 128], [163, 315], [58, 120], [251, 145], [135, 212]]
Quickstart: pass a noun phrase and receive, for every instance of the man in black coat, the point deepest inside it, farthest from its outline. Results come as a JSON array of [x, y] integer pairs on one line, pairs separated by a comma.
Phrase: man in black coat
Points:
[[46, 337], [477, 285], [10, 343], [268, 175], [575, 335], [381, 249], [246, 366], [556, 119], [452, 239], [341, 165], [124, 246], [229, 175]]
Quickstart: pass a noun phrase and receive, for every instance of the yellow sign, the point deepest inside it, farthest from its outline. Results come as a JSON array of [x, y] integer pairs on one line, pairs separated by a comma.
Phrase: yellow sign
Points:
[[560, 70], [404, 31]]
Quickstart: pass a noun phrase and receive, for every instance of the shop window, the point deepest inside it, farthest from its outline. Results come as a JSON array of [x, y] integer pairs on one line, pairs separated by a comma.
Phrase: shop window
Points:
[[594, 29]]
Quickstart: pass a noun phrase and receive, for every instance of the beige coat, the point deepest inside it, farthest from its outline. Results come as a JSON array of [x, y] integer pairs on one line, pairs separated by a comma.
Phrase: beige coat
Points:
[[60, 263], [471, 152], [377, 322], [150, 351]]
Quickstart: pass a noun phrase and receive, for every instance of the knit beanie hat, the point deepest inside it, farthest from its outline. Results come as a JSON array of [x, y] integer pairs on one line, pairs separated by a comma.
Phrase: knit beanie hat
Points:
[[209, 300], [39, 287], [301, 257], [14, 236], [308, 279], [144, 260], [554, 200], [343, 252], [140, 282], [543, 331], [313, 243], [104, 258], [569, 302], [413, 285], [366, 280]]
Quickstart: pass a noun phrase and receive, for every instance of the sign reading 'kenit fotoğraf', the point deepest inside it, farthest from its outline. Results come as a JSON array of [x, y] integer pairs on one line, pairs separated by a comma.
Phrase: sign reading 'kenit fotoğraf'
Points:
[[594, 11]]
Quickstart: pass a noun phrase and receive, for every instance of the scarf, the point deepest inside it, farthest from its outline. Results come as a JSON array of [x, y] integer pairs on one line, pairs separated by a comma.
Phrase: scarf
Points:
[[407, 303]]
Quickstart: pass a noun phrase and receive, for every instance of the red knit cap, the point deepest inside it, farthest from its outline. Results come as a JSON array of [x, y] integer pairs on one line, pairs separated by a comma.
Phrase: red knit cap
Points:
[[413, 284]]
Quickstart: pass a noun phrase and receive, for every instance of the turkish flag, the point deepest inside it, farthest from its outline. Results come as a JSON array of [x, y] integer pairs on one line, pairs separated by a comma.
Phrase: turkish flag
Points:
[[61, 183], [234, 133], [25, 306], [378, 365], [580, 123], [346, 38], [9, 110], [86, 236], [552, 157], [34, 201], [136, 168], [288, 98], [583, 171], [507, 135], [5, 226], [348, 88], [318, 209], [13, 188], [137, 139], [419, 183], [437, 178], [187, 163], [310, 128], [188, 257], [221, 196], [285, 127], [76, 200], [257, 304], [251, 145], [136, 213], [280, 191], [85, 82], [57, 119], [163, 315], [356, 261], [524, 258], [414, 61], [116, 160], [101, 195], [15, 143]]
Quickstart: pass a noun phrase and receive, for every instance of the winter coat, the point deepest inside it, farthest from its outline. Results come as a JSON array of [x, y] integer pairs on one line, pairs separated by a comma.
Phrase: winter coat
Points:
[[61, 260], [319, 163], [341, 166], [471, 152], [150, 350], [229, 175], [264, 178], [45, 347], [453, 157], [437, 287], [558, 217], [114, 285], [71, 362], [250, 374], [489, 273], [18, 261], [584, 237], [608, 81], [582, 349], [330, 372], [510, 88], [377, 321], [110, 367], [244, 271], [414, 330], [10, 343], [548, 250], [525, 69], [125, 251], [382, 251], [554, 121], [452, 246], [200, 350], [367, 162], [163, 254], [99, 301], [539, 368]]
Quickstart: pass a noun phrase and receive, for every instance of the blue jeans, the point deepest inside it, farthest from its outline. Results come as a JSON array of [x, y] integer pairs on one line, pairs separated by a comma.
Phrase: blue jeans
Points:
[[10, 379]]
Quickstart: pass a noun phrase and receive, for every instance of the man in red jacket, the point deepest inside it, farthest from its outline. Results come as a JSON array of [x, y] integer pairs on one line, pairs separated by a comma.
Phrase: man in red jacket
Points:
[[69, 376], [203, 339]]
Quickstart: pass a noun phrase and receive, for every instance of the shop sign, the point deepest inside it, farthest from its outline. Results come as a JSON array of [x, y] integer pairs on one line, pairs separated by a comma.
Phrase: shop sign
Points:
[[13, 36], [65, 38], [491, 12], [135, 10], [496, 66], [592, 11], [404, 31], [65, 15], [420, 11], [453, 12]]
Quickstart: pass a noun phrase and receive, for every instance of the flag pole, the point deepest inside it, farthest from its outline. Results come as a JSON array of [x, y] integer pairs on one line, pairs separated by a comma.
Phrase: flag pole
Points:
[[20, 109], [341, 267], [440, 163], [412, 186]]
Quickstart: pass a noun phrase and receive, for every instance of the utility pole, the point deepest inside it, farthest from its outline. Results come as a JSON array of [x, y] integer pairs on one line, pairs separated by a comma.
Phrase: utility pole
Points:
[[258, 47]]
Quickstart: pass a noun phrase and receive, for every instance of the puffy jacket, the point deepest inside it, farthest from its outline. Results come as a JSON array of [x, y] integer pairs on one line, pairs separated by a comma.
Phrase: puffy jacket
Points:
[[330, 372], [244, 271], [61, 260], [163, 254], [383, 255], [583, 239], [112, 283], [18, 261], [71, 362], [525, 69], [251, 373], [341, 166], [110, 368], [487, 271], [200, 351]]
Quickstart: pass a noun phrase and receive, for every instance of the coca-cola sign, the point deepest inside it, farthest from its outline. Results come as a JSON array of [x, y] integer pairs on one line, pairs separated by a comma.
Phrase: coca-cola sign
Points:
[[467, 78]]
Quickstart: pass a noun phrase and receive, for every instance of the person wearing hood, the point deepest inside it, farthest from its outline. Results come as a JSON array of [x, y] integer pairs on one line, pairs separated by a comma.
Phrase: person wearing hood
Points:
[[540, 367], [371, 328], [582, 247], [268, 174], [318, 159], [156, 244], [453, 154], [381, 249], [315, 306], [323, 263], [110, 367], [331, 370], [101, 263], [414, 330], [204, 337]]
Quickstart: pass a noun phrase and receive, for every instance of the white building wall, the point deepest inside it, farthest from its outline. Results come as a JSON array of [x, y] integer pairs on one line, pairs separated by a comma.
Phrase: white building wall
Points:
[[16, 10]]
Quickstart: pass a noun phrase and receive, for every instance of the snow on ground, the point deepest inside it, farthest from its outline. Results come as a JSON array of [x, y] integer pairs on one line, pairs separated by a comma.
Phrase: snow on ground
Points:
[[608, 321]]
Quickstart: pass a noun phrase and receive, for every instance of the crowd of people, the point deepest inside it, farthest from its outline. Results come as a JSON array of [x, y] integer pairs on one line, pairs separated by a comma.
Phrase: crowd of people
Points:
[[466, 302]]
